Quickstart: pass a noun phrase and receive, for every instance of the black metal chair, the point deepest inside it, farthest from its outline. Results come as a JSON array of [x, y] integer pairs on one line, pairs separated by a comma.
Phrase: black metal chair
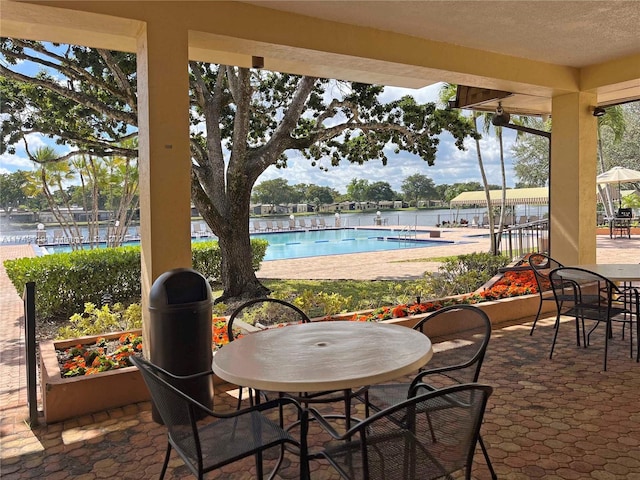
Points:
[[427, 436], [272, 313], [218, 439], [541, 265], [457, 358], [263, 313], [594, 298]]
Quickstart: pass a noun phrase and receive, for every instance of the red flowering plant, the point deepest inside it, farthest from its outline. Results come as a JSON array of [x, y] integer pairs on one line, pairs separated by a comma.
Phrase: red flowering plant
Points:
[[512, 284], [398, 311], [100, 356]]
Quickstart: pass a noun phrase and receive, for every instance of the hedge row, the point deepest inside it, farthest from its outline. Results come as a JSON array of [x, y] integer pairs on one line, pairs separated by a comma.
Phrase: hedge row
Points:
[[66, 281]]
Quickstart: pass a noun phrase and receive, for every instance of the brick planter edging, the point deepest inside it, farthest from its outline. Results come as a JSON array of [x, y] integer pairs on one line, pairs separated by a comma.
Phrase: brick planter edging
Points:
[[65, 398]]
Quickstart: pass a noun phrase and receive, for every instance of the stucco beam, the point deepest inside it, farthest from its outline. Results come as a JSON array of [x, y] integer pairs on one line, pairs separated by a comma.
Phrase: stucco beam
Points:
[[615, 81], [341, 47], [39, 22]]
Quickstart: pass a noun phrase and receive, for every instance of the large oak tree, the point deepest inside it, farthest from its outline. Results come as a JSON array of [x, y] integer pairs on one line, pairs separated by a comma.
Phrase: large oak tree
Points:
[[244, 121]]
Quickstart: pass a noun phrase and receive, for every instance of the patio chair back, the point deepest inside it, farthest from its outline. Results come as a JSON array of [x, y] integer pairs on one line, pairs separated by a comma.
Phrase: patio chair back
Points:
[[457, 356], [263, 313], [266, 313], [415, 439], [206, 446], [457, 359], [541, 265], [593, 298]]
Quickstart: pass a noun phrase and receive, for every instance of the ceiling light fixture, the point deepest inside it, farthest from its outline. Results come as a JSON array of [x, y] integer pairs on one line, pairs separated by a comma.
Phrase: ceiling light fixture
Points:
[[599, 112], [500, 118]]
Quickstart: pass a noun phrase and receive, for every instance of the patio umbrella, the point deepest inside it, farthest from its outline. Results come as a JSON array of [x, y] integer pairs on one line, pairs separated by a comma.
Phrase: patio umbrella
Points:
[[619, 175]]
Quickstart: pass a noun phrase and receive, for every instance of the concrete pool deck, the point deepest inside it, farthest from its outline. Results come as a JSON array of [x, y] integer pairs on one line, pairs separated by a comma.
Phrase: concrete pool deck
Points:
[[412, 263]]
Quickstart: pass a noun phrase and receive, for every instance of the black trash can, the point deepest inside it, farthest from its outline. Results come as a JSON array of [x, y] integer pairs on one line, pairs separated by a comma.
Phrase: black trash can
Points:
[[180, 330]]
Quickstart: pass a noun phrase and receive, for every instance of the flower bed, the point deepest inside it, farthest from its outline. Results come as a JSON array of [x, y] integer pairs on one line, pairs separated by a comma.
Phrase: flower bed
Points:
[[108, 353], [510, 297], [67, 397], [91, 374], [513, 283]]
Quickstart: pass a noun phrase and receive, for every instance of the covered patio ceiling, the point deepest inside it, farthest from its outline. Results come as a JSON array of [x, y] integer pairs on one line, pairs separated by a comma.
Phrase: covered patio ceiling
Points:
[[576, 34], [532, 49]]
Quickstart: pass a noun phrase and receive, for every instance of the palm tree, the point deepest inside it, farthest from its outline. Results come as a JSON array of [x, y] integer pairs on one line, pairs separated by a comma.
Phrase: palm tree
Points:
[[615, 122], [53, 172], [486, 119], [447, 92]]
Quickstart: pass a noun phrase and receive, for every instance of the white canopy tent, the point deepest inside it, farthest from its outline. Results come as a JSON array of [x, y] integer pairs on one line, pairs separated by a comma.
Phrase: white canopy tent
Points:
[[514, 196], [538, 196], [615, 175]]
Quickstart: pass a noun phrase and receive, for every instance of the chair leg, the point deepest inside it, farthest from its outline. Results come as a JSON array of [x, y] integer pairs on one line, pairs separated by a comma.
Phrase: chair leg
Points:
[[486, 457], [347, 408], [537, 316], [555, 336], [166, 461], [606, 344]]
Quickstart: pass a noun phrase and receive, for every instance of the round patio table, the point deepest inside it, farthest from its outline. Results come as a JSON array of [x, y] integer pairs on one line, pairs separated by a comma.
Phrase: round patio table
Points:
[[322, 356]]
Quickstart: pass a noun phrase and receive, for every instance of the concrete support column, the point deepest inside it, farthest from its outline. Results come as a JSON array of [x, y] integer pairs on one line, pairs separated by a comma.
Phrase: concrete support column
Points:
[[573, 179], [164, 159]]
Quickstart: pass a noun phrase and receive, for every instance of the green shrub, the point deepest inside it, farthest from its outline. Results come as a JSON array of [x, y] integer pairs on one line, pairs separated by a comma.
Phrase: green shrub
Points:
[[463, 274], [206, 257], [320, 304], [66, 281]]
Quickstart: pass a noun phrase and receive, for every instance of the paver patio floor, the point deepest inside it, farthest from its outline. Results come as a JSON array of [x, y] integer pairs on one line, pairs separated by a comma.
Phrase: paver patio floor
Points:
[[553, 419]]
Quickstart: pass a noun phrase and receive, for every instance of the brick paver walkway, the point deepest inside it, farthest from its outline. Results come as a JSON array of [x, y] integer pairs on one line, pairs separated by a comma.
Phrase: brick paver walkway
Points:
[[550, 419]]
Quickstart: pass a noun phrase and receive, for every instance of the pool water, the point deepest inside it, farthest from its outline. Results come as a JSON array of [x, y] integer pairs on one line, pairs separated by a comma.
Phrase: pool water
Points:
[[313, 243]]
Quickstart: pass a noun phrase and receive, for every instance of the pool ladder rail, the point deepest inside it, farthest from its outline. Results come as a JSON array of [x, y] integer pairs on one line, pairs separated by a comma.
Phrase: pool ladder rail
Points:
[[407, 232]]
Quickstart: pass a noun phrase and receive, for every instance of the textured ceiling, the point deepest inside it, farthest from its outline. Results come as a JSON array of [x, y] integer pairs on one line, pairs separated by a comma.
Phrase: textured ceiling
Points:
[[572, 33]]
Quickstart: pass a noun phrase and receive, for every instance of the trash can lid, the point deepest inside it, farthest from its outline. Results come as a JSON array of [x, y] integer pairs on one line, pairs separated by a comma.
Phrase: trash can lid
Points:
[[179, 286]]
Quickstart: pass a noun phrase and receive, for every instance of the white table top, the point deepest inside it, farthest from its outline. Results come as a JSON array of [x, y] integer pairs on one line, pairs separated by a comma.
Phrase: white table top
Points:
[[321, 356], [616, 272]]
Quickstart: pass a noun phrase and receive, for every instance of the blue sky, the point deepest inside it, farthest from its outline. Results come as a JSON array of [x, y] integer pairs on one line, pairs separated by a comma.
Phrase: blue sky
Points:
[[451, 165]]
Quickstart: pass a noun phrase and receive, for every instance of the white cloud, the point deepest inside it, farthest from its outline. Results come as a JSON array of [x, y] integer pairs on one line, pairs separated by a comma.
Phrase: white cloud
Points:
[[20, 160], [10, 163]]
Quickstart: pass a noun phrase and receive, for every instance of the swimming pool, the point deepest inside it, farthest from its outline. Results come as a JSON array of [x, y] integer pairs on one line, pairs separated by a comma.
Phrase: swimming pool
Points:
[[314, 243]]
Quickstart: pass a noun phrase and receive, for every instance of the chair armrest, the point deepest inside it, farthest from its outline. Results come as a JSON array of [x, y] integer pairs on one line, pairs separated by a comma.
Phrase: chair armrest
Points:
[[184, 377]]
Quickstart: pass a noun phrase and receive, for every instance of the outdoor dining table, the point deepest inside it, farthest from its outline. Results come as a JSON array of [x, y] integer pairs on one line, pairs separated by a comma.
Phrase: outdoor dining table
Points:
[[322, 356], [616, 272]]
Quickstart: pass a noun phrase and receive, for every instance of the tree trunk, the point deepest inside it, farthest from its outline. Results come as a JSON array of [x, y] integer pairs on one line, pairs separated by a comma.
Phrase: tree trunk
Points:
[[232, 229], [237, 272], [485, 183], [503, 199]]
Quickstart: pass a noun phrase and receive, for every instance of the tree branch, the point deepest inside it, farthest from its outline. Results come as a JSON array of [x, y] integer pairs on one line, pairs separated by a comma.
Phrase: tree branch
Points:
[[82, 99], [121, 79], [67, 67]]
